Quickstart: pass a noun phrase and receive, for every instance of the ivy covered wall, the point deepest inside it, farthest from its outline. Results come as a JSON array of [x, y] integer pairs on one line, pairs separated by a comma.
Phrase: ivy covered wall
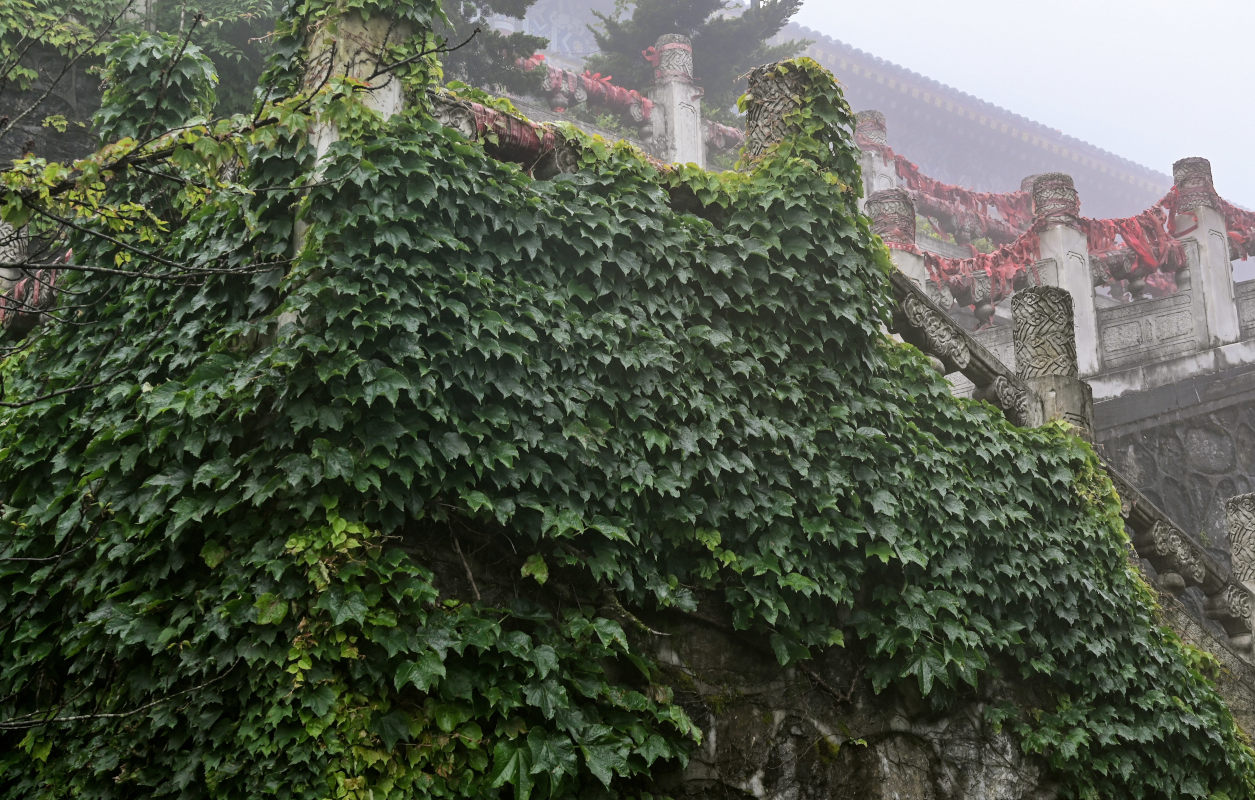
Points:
[[404, 500]]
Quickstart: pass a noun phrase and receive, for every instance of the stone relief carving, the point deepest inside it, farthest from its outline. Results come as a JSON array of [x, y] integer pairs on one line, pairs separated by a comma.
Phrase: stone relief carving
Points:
[[982, 298], [772, 96], [1121, 337], [893, 216], [454, 114], [1175, 325], [1189, 562], [1055, 198], [870, 125], [1146, 330], [939, 294], [1240, 515], [1171, 552], [939, 331], [1159, 541], [1191, 467], [1045, 343], [1245, 292], [12, 243], [1236, 602], [675, 58], [1012, 398], [12, 252]]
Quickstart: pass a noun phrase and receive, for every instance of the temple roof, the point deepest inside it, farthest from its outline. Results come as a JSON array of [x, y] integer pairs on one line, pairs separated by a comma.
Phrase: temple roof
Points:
[[962, 139]]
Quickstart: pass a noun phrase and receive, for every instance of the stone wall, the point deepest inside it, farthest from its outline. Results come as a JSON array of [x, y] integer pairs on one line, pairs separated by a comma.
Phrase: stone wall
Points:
[[1188, 446]]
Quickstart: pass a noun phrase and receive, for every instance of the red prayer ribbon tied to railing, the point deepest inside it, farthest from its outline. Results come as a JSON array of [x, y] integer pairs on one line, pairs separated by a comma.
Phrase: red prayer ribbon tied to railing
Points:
[[722, 137], [592, 88], [1014, 208], [1239, 223], [1007, 269], [1147, 234], [28, 298]]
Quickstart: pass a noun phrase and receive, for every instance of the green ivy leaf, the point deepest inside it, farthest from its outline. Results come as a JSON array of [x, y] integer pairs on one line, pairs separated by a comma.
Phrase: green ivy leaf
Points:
[[535, 567], [271, 609]]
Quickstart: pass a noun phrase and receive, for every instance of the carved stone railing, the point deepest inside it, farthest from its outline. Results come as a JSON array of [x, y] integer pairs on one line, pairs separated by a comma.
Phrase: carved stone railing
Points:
[[921, 322], [1177, 563], [1146, 330], [540, 149], [1180, 563], [1245, 296], [941, 247]]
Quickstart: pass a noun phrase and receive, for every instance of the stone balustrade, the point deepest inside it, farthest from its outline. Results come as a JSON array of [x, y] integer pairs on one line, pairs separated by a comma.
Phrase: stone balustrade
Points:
[[923, 323], [1048, 386], [1207, 324]]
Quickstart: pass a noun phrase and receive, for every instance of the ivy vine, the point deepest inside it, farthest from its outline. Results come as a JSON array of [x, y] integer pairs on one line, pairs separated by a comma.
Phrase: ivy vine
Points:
[[394, 516]]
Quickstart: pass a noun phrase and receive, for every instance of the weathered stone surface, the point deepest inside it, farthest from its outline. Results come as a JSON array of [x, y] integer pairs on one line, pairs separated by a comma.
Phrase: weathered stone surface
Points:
[[1189, 447], [789, 734]]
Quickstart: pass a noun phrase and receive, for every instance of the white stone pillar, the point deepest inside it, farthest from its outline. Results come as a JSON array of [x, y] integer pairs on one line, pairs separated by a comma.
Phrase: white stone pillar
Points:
[[893, 219], [879, 173], [349, 46], [1211, 282], [1057, 208], [677, 102], [12, 251]]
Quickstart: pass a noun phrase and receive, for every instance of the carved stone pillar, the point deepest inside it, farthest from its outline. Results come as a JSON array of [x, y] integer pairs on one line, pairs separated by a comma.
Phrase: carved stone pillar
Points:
[[344, 44], [872, 136], [351, 46], [772, 95], [1057, 210], [1240, 514], [12, 252], [678, 129], [893, 219], [1201, 225], [871, 125], [1045, 355]]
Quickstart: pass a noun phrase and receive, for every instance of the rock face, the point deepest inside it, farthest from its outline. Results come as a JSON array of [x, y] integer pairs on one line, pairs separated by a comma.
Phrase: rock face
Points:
[[820, 732]]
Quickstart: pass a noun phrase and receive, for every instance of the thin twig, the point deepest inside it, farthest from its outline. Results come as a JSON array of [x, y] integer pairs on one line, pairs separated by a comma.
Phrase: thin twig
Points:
[[465, 565], [26, 721], [407, 61]]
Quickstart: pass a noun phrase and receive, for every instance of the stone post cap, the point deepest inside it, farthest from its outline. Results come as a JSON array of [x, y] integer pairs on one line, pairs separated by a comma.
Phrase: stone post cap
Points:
[[1191, 177], [893, 216], [1043, 333], [1026, 185], [672, 57], [1055, 198], [870, 125]]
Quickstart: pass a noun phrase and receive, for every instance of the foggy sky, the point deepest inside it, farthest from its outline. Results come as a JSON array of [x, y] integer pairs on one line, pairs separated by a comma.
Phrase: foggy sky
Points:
[[1152, 81]]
